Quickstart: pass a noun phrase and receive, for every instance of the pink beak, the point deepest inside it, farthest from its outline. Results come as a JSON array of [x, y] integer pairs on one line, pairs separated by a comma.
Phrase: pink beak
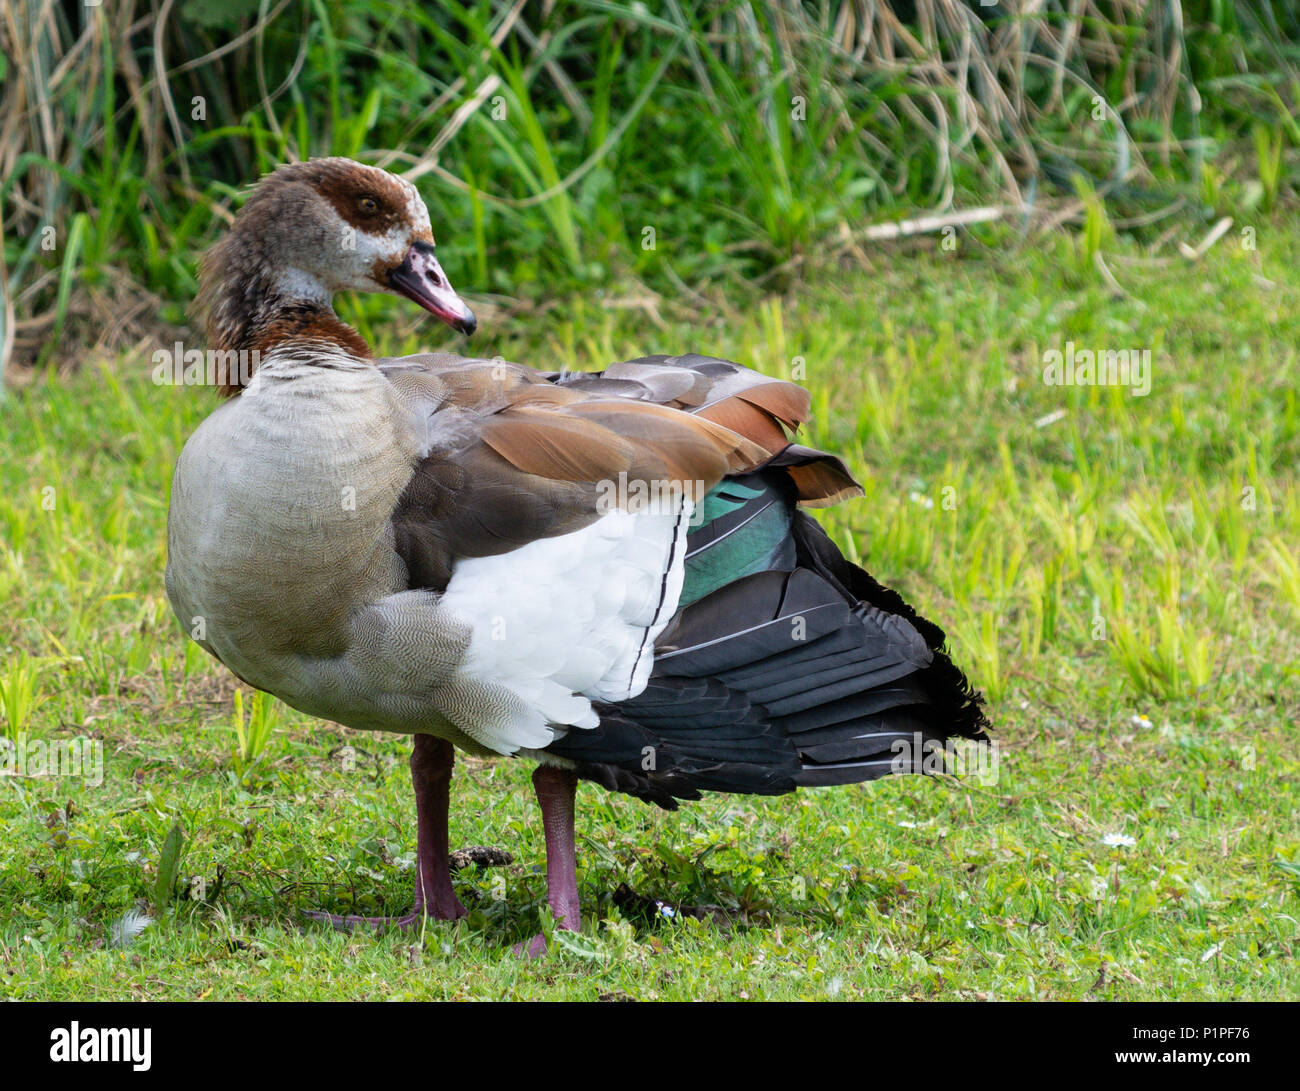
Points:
[[421, 279]]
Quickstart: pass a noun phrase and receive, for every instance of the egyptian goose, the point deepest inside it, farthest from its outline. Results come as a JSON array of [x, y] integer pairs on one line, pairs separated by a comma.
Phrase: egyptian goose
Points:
[[607, 574]]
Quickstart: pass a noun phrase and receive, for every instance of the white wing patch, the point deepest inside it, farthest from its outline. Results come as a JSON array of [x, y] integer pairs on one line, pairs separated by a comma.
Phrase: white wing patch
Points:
[[565, 619]]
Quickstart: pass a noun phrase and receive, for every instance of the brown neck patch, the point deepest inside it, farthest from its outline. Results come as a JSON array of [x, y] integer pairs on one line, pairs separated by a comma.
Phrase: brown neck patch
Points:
[[296, 322], [309, 321], [243, 310], [277, 323]]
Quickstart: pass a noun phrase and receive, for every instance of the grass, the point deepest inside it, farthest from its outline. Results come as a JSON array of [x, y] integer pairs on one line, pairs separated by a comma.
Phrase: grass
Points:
[[1118, 572], [555, 141]]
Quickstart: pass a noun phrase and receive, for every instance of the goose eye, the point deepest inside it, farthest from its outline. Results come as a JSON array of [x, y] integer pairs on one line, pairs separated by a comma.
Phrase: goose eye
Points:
[[368, 204]]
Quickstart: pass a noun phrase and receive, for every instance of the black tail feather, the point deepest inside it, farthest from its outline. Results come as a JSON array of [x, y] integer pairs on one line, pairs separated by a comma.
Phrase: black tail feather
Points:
[[809, 673]]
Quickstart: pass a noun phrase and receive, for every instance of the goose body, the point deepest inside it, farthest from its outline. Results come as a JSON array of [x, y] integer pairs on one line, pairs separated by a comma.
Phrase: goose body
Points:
[[610, 575]]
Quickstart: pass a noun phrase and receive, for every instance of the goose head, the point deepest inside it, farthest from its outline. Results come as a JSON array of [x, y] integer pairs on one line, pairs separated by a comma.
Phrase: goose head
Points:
[[307, 231]]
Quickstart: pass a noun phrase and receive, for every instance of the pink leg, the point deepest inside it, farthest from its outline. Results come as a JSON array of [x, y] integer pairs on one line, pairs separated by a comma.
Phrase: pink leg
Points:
[[556, 789], [431, 763]]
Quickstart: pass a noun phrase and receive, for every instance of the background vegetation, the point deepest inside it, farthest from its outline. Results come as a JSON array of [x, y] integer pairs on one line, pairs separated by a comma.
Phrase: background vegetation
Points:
[[753, 138], [1126, 171]]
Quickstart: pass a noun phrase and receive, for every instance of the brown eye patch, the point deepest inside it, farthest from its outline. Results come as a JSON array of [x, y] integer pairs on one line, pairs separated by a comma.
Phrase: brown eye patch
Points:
[[368, 200], [372, 212]]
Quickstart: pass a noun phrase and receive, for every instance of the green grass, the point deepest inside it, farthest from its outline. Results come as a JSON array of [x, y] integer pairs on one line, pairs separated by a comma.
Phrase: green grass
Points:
[[754, 140], [1119, 573]]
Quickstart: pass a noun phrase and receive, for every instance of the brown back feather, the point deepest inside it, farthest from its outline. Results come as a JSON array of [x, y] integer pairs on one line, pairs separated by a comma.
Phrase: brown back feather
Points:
[[514, 458]]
